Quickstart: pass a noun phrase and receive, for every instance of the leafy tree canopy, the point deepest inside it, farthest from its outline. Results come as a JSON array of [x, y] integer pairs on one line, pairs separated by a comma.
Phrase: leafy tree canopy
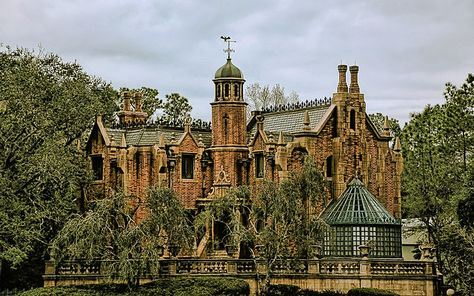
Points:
[[438, 146], [150, 103], [176, 107], [46, 105]]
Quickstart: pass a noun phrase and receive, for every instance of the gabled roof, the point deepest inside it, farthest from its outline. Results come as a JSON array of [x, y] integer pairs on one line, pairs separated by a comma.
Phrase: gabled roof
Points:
[[357, 206]]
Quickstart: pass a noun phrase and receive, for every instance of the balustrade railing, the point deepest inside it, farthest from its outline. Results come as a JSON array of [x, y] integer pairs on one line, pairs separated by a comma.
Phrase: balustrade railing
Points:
[[325, 266]]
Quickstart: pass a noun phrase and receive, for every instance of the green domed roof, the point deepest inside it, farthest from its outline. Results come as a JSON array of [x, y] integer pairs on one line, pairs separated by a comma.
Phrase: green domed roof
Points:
[[357, 206], [228, 71]]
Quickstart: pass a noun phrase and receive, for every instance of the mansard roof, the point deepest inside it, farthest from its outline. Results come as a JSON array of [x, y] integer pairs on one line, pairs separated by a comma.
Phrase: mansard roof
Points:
[[149, 136], [357, 206], [289, 118]]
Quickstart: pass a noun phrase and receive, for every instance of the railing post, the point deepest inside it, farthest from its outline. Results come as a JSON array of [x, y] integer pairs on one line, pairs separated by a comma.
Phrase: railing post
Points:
[[50, 267], [313, 266], [232, 266], [172, 267]]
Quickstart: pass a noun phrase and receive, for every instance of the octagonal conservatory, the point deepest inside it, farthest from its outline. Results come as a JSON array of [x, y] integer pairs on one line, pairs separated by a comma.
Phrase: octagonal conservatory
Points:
[[358, 218]]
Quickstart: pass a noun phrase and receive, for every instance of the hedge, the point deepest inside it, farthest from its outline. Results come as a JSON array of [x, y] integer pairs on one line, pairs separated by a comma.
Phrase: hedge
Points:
[[291, 290], [199, 286], [370, 292]]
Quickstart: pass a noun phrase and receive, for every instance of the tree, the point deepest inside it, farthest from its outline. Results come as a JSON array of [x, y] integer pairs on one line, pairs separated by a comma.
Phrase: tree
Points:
[[150, 103], [109, 231], [261, 97], [280, 221], [46, 107], [379, 119], [437, 148], [176, 108]]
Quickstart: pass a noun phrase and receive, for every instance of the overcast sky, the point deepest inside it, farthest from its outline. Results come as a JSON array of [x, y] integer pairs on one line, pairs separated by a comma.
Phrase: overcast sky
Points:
[[406, 50]]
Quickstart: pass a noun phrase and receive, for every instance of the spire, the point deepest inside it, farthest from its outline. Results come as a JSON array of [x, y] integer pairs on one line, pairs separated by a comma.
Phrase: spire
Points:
[[386, 127], [280, 139], [306, 121], [397, 147]]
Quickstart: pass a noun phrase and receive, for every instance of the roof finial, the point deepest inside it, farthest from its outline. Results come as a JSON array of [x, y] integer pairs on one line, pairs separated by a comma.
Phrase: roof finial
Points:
[[228, 50]]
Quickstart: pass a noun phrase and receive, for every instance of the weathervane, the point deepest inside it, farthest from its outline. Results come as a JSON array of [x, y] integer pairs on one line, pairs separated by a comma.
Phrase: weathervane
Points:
[[228, 50]]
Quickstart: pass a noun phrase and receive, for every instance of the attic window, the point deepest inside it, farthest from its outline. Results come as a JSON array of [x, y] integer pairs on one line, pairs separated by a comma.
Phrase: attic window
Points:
[[97, 167], [259, 164], [187, 166], [353, 120]]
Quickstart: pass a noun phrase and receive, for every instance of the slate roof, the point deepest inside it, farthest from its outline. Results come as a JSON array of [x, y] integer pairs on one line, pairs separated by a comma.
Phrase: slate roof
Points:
[[357, 206], [148, 136], [290, 121]]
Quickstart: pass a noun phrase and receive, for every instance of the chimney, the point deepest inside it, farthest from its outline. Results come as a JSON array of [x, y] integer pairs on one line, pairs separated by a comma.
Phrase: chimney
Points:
[[306, 121], [342, 85], [126, 101], [354, 87], [138, 102]]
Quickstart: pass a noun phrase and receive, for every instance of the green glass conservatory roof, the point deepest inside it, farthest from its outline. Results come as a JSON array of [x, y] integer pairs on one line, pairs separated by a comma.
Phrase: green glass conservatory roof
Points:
[[357, 206]]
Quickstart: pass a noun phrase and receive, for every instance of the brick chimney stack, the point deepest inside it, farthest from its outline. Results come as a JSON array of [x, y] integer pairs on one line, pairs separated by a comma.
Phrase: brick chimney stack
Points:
[[138, 102], [354, 87], [342, 85], [126, 101]]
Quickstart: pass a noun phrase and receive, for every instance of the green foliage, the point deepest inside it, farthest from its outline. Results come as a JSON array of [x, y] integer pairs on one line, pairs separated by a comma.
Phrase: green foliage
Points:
[[46, 105], [109, 231], [291, 290], [279, 220], [150, 103], [201, 286], [438, 145], [370, 292], [378, 119], [176, 107]]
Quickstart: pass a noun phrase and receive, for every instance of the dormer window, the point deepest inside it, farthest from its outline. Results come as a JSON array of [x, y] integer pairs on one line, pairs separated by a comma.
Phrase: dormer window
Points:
[[259, 165], [187, 166]]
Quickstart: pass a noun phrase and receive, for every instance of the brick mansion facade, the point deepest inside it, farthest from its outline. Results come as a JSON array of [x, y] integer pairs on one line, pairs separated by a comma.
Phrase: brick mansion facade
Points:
[[197, 161]]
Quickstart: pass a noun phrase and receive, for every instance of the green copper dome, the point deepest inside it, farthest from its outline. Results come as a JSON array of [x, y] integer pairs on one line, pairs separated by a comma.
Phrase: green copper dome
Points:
[[357, 206], [228, 71]]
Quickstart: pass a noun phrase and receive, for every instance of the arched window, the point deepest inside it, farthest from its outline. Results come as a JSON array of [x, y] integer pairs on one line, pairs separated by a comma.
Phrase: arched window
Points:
[[353, 119], [226, 90], [236, 90], [329, 166], [218, 91]]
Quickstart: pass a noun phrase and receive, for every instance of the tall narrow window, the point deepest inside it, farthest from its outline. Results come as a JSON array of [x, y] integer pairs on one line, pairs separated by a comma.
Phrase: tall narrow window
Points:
[[353, 120], [226, 90], [218, 90], [187, 166], [97, 167], [236, 90], [259, 165], [329, 166]]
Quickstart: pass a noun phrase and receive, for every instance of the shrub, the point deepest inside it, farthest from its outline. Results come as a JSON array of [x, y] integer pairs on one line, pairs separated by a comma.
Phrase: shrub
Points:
[[198, 286], [291, 290], [370, 292]]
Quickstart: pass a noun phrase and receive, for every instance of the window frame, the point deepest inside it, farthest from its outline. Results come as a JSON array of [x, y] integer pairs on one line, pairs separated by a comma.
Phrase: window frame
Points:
[[186, 159]]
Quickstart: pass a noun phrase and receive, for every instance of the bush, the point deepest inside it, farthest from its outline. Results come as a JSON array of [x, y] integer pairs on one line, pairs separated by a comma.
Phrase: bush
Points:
[[306, 292], [198, 286], [370, 292], [290, 290]]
